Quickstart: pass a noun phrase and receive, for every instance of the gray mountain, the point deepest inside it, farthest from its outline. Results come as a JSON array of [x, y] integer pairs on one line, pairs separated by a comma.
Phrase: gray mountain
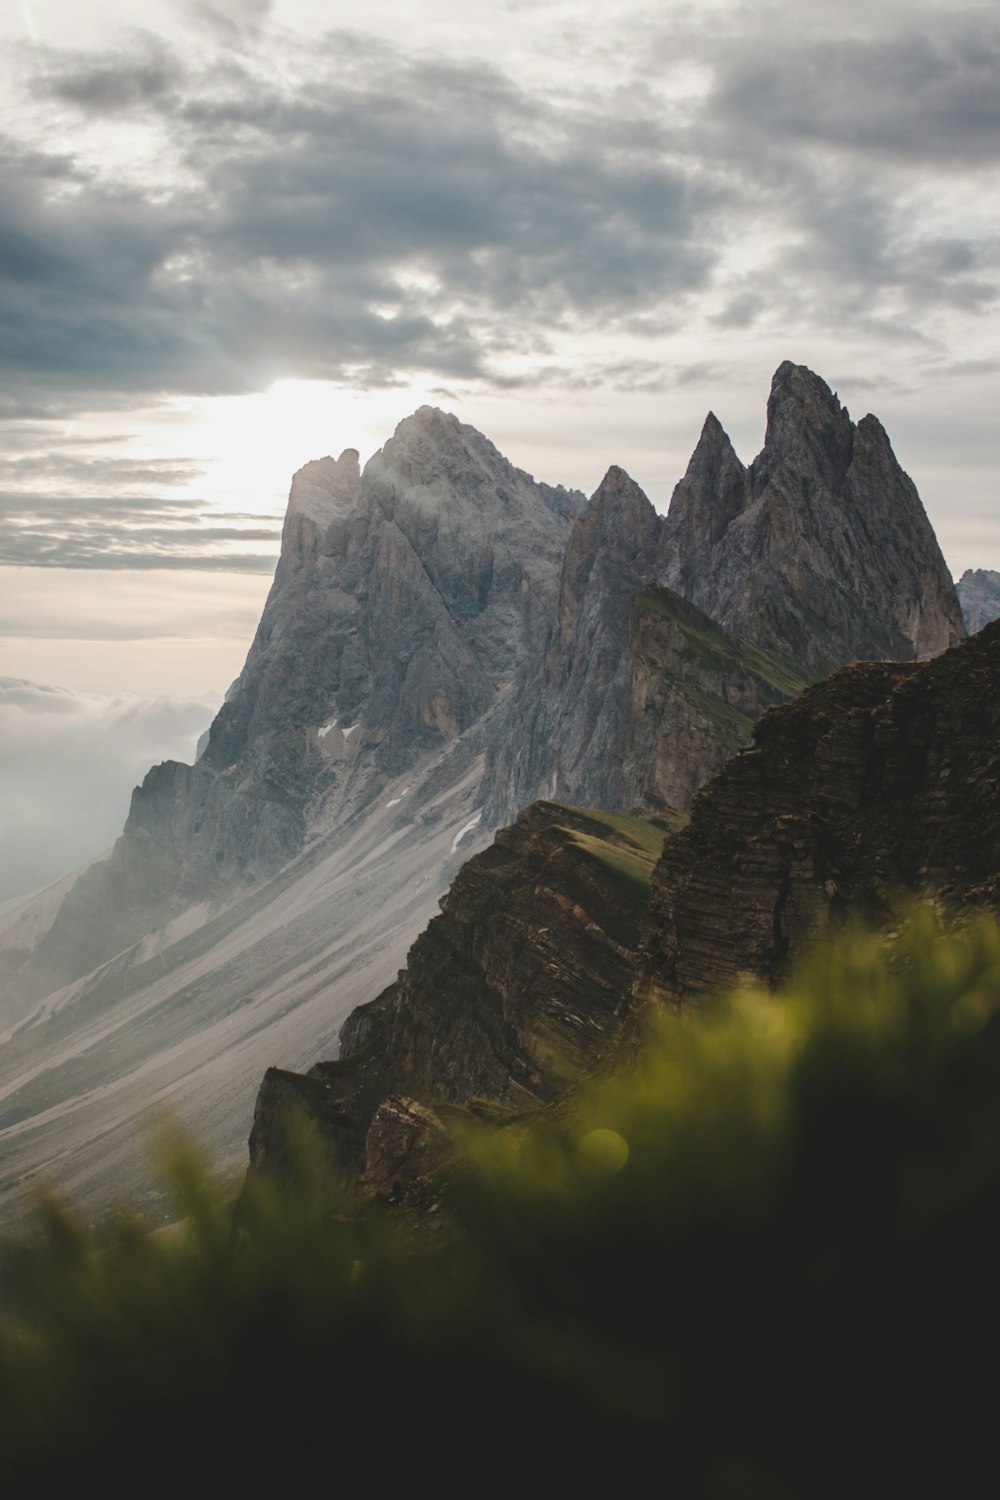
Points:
[[820, 550], [445, 640], [567, 715], [403, 601], [818, 554], [979, 595]]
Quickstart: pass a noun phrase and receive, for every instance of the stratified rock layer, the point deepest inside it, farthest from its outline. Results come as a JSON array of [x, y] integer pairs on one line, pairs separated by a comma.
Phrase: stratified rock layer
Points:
[[514, 990], [882, 781]]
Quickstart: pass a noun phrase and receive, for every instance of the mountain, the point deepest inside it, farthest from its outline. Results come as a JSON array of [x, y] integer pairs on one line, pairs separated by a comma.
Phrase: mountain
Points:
[[821, 549], [882, 782], [256, 897], [402, 602], [819, 553], [445, 640], [510, 994], [978, 592], [879, 784]]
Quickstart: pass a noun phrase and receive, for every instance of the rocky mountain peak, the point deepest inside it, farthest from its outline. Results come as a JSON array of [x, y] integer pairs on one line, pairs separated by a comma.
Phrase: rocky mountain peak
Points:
[[979, 594], [809, 434], [712, 493], [326, 487], [822, 550], [447, 467]]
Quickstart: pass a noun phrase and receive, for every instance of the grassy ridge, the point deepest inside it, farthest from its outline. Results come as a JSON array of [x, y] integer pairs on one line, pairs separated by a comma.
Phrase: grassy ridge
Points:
[[720, 650], [626, 847], [758, 1260]]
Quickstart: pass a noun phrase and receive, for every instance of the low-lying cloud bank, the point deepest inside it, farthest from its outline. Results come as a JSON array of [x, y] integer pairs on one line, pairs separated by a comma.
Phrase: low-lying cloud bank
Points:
[[68, 763]]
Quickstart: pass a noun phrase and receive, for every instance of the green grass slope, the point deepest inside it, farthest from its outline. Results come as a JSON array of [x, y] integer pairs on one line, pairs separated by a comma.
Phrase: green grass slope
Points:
[[756, 1260]]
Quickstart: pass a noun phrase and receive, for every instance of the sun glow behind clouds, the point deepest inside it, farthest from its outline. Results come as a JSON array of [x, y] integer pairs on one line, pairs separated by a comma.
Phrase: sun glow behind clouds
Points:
[[253, 444]]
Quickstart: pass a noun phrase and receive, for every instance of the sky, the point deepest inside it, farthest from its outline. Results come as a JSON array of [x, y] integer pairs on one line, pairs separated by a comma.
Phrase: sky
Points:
[[238, 234]]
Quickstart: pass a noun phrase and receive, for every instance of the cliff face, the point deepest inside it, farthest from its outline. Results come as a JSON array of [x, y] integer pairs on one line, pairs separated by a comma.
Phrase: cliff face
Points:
[[821, 549], [883, 780], [819, 553], [979, 595], [395, 621], [564, 736], [403, 601], [507, 996], [693, 694]]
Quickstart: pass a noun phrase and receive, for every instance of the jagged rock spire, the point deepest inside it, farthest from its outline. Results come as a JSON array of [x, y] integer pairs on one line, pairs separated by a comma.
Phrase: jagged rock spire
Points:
[[822, 549]]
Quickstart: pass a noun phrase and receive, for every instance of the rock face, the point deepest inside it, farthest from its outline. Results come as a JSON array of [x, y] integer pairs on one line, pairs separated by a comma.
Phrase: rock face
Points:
[[403, 602], [821, 550], [881, 781], [694, 692], [979, 595], [819, 553], [445, 641], [507, 996], [564, 738]]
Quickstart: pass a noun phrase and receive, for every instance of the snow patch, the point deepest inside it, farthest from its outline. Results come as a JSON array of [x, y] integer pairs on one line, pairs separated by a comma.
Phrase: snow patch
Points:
[[460, 835], [348, 731], [394, 800], [326, 729]]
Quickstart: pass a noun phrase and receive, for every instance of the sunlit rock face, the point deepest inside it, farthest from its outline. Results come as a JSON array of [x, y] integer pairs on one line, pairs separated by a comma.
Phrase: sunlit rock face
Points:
[[821, 550], [395, 622], [403, 601], [979, 595]]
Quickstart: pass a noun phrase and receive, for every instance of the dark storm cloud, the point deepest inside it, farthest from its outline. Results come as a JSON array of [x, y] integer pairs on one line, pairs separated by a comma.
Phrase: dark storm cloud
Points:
[[392, 213], [119, 81], [116, 531], [292, 244], [927, 94]]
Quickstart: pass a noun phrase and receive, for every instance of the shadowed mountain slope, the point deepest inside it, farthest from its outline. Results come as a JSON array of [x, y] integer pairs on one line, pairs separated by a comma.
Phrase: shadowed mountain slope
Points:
[[883, 780]]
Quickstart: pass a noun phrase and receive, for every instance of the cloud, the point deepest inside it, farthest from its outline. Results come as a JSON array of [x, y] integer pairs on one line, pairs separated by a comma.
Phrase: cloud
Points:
[[121, 531], [68, 762], [390, 213], [925, 93], [128, 78], [233, 22], [351, 210]]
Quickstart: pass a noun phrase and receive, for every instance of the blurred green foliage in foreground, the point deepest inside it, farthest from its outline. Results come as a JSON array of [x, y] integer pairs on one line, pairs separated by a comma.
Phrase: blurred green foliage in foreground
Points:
[[760, 1258]]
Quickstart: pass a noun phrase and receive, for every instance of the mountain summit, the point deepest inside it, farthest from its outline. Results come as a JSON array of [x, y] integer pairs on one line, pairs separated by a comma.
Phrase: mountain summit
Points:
[[445, 640], [821, 549]]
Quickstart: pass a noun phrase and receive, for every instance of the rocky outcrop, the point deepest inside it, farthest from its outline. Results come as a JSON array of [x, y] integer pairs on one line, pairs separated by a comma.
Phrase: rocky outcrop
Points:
[[979, 595], [564, 736], [404, 600], [395, 624], [882, 781], [513, 991], [820, 553], [821, 550], [694, 693]]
